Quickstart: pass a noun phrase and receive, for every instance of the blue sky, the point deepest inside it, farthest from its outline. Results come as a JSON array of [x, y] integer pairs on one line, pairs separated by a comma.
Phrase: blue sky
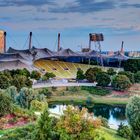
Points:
[[117, 19]]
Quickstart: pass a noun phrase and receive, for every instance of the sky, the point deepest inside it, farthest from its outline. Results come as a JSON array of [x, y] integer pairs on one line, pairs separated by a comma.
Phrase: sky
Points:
[[118, 20]]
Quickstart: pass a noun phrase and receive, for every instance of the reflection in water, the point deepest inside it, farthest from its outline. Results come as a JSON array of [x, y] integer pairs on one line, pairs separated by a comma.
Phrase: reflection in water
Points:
[[114, 114]]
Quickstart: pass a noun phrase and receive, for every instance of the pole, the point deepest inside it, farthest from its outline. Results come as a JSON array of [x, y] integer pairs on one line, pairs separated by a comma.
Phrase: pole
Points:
[[90, 41], [58, 45], [30, 41], [4, 42]]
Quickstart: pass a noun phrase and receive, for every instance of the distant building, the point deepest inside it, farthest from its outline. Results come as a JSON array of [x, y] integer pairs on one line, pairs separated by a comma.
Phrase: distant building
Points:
[[134, 54], [1, 41]]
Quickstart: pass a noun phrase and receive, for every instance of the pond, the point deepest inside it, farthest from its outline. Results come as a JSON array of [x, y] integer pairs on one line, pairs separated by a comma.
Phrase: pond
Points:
[[114, 114]]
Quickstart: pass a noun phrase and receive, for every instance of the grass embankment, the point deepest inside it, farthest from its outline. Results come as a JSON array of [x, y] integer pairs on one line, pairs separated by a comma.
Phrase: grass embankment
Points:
[[80, 96], [113, 133]]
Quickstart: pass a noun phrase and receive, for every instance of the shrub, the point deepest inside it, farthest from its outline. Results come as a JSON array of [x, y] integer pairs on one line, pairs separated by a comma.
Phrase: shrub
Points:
[[121, 82], [103, 79], [111, 72], [48, 75], [104, 121], [129, 74], [5, 104], [35, 75], [124, 131], [80, 75], [133, 114], [91, 74], [4, 81], [137, 77]]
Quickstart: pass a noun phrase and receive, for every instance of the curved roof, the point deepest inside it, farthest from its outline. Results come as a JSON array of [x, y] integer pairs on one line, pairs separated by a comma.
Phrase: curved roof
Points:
[[67, 52], [118, 56]]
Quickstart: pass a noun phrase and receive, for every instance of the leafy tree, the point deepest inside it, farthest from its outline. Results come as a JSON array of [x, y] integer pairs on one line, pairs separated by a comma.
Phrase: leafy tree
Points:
[[74, 124], [91, 74], [137, 77], [103, 79], [12, 92], [44, 126], [132, 65], [129, 74], [121, 82], [48, 75], [111, 71], [5, 104], [35, 75], [25, 97], [24, 72], [124, 131], [4, 81], [80, 75], [133, 114]]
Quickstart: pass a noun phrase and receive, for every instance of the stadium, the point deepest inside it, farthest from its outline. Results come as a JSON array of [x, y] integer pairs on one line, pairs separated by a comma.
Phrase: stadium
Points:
[[64, 63]]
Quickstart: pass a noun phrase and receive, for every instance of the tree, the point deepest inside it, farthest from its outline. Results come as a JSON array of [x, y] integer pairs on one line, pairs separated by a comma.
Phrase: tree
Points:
[[35, 75], [24, 72], [111, 71], [43, 129], [137, 77], [25, 97], [12, 92], [121, 82], [48, 75], [129, 74], [91, 74], [132, 65], [4, 81], [80, 75], [133, 114], [103, 79], [5, 104], [77, 124]]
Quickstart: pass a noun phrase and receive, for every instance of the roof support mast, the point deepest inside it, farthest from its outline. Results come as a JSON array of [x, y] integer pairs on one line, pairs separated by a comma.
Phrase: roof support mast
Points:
[[30, 41], [4, 42], [58, 45]]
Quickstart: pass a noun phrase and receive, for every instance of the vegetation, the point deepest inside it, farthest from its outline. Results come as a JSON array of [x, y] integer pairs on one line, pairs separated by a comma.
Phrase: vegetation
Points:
[[80, 75], [103, 79], [5, 104], [124, 131], [137, 77], [35, 75], [111, 72], [132, 65], [133, 115], [47, 76], [121, 82]]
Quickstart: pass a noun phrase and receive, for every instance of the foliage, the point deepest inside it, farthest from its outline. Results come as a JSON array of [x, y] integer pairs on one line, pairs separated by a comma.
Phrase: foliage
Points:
[[24, 133], [133, 114], [80, 75], [111, 72], [20, 81], [73, 89], [37, 105], [103, 79], [5, 104], [132, 65], [75, 124], [104, 121], [129, 74], [96, 90], [25, 97], [124, 131], [12, 92], [35, 75], [48, 75], [137, 77], [4, 81], [44, 127], [121, 82], [46, 92], [91, 74]]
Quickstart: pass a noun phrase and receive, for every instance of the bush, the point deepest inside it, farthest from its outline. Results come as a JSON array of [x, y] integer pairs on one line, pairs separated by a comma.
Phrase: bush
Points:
[[111, 72], [137, 77], [80, 75], [48, 75], [133, 114], [96, 90], [124, 131], [121, 82], [129, 74], [104, 121], [35, 75], [5, 104], [91, 74], [103, 79], [46, 92], [132, 65], [4, 81]]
